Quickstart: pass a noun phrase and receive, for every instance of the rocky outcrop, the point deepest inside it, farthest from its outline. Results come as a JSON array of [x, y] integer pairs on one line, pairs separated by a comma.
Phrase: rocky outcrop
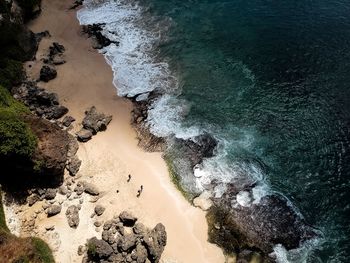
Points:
[[47, 73], [94, 31], [84, 135], [41, 102], [73, 165], [259, 226], [118, 245], [94, 121], [147, 140], [55, 54], [51, 153], [197, 148]]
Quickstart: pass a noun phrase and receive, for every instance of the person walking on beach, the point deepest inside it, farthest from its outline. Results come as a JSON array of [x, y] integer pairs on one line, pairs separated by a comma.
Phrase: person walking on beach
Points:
[[129, 178], [139, 191]]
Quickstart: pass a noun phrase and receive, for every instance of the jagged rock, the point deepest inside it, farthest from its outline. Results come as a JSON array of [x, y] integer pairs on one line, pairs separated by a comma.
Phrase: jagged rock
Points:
[[120, 228], [255, 226], [94, 121], [116, 258], [90, 188], [197, 148], [47, 73], [107, 225], [73, 165], [54, 210], [155, 242], [55, 112], [73, 146], [127, 242], [50, 194], [72, 215], [32, 199], [84, 135], [99, 210], [99, 249], [99, 40], [127, 219], [67, 121], [140, 253], [140, 229], [58, 60]]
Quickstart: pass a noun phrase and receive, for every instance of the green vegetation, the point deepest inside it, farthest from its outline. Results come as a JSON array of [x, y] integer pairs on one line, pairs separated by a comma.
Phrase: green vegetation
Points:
[[176, 179], [91, 250], [42, 250], [16, 138], [11, 72]]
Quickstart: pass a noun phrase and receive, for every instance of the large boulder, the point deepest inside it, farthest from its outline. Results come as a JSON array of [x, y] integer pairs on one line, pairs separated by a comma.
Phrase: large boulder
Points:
[[53, 210], [73, 165], [72, 214], [127, 219], [84, 135], [98, 249], [155, 242], [95, 121], [47, 73], [261, 225]]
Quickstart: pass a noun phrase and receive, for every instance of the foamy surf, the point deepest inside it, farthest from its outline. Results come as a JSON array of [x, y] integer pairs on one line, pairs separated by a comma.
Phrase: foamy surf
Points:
[[138, 71]]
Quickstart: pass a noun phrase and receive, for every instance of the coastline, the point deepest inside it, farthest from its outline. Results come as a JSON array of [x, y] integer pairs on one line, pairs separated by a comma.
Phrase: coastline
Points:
[[85, 81]]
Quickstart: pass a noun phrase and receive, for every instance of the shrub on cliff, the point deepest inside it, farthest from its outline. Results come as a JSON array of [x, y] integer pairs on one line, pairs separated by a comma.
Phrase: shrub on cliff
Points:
[[15, 136]]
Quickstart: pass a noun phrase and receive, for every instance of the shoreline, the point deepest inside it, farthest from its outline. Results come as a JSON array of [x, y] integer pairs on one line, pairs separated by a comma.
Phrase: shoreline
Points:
[[111, 155]]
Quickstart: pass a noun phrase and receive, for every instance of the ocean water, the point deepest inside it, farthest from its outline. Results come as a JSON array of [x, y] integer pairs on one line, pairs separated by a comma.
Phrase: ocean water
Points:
[[269, 79]]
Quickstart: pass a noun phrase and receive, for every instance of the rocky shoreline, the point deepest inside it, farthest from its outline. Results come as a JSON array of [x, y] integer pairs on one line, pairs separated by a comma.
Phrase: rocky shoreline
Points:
[[248, 231]]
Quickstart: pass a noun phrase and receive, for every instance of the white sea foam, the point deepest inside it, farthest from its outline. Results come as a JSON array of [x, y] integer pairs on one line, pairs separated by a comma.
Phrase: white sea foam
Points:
[[298, 255], [137, 72]]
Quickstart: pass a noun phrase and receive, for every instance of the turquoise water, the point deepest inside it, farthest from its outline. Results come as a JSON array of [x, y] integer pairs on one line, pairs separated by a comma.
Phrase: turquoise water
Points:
[[269, 79]]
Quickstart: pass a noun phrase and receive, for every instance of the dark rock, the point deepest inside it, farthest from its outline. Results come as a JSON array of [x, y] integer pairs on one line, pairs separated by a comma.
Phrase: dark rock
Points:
[[39, 36], [202, 146], [140, 253], [50, 194], [74, 165], [72, 215], [99, 249], [79, 189], [140, 229], [84, 135], [95, 32], [155, 242], [127, 219], [76, 4], [55, 112], [107, 225], [99, 210], [54, 210], [127, 242], [94, 121], [55, 49], [67, 121], [261, 226], [73, 146], [47, 73], [32, 199]]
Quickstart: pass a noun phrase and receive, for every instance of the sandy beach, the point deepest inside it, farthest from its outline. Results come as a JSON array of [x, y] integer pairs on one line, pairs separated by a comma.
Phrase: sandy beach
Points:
[[85, 81]]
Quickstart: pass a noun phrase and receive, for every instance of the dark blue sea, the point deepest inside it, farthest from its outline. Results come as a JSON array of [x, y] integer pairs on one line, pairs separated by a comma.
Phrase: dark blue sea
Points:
[[269, 79]]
